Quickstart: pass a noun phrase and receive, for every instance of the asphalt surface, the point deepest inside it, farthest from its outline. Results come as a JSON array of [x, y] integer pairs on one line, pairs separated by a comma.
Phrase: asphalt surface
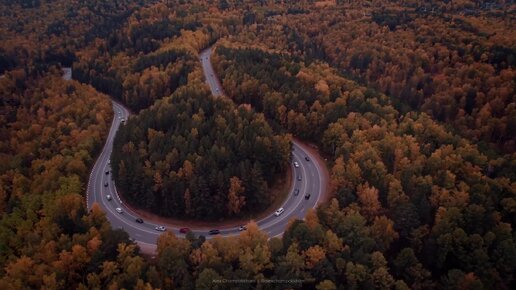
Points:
[[308, 178]]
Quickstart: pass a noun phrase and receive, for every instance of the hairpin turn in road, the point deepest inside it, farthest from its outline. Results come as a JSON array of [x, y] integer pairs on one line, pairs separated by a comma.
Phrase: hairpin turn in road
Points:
[[308, 183]]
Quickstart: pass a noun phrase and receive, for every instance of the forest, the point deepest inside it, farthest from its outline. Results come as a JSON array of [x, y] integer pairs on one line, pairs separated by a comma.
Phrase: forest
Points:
[[411, 102], [50, 130], [195, 156], [427, 187], [459, 69]]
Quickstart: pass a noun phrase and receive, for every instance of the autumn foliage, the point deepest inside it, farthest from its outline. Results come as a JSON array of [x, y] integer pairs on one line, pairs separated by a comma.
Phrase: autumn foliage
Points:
[[411, 102]]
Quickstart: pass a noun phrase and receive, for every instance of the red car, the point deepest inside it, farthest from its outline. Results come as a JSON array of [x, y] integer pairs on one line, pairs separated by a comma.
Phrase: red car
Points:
[[184, 230]]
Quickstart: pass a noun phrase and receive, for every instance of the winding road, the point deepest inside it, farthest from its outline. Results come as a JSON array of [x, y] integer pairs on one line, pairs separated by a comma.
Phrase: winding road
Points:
[[308, 177]]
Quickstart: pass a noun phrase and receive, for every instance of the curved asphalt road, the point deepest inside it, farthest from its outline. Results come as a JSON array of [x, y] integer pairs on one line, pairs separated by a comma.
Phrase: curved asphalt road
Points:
[[308, 178]]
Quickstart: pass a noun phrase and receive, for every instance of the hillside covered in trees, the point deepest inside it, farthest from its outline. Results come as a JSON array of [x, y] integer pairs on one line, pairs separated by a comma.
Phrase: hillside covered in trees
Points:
[[420, 186], [411, 102], [442, 59], [50, 132], [196, 156]]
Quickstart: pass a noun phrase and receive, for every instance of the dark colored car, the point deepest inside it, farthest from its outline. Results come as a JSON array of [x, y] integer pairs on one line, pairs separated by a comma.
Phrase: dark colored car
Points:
[[139, 220], [306, 158], [184, 230], [307, 196], [296, 191], [299, 177], [105, 184], [107, 172], [214, 232]]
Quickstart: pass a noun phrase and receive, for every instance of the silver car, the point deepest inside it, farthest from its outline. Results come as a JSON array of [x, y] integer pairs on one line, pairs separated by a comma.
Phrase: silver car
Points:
[[160, 228], [279, 211]]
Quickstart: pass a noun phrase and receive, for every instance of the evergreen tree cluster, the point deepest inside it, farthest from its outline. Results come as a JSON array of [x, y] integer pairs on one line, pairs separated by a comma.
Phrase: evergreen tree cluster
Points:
[[177, 158]]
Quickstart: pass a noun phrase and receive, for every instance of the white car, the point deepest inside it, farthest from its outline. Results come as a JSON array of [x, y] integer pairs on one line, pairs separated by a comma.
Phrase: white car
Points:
[[108, 197], [160, 228], [279, 211], [242, 228], [119, 210], [296, 164]]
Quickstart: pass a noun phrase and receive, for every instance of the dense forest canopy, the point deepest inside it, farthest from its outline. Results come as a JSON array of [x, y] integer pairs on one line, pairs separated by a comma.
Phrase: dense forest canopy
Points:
[[406, 171], [457, 67], [412, 102], [196, 156], [50, 130]]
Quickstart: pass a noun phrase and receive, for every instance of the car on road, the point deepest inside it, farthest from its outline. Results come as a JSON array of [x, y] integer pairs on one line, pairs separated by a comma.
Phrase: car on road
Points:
[[160, 228], [108, 197], [139, 220], [107, 172], [214, 232], [299, 178], [123, 120], [296, 191], [184, 230], [109, 161], [307, 196], [296, 164], [105, 184], [119, 210], [306, 158], [279, 211], [216, 90], [242, 228]]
